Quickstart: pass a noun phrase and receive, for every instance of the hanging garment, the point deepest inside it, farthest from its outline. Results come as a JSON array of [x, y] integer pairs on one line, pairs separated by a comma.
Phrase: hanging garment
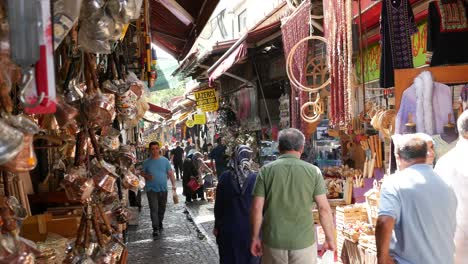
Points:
[[447, 28], [429, 103], [396, 27]]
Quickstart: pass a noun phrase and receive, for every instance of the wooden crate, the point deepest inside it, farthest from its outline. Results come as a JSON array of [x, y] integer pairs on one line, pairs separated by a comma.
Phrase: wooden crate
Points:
[[37, 227]]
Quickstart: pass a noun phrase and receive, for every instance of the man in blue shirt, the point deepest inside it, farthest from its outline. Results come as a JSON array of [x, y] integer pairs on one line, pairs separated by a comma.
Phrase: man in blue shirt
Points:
[[156, 170], [218, 155], [416, 222]]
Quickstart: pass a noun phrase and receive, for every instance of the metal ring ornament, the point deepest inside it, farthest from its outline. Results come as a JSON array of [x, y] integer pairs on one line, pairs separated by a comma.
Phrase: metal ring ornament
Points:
[[290, 74], [317, 107]]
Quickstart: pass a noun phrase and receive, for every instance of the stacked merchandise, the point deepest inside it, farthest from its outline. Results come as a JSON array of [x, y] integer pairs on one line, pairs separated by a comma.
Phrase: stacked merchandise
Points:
[[344, 217], [69, 137]]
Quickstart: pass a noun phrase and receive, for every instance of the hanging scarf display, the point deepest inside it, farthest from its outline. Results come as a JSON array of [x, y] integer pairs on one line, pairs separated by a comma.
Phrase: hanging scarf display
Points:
[[396, 27], [338, 32], [293, 30]]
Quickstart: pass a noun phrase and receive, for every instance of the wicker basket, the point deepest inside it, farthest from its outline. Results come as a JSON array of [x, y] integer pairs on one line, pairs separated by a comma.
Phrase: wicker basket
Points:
[[372, 202], [350, 214]]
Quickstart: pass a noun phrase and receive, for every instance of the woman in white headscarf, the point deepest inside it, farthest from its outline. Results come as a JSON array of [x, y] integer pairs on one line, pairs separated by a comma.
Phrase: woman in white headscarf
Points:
[[232, 205]]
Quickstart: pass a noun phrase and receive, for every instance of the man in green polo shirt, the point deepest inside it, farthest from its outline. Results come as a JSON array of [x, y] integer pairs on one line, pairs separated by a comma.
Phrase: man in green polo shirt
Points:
[[284, 197]]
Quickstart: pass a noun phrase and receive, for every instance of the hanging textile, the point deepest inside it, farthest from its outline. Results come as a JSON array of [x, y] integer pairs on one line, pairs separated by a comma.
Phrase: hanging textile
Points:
[[338, 31], [293, 30], [396, 27], [447, 30]]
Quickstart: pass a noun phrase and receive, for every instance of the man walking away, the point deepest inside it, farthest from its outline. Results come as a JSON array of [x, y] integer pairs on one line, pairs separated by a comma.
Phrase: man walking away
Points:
[[156, 171], [177, 157], [416, 222], [218, 154], [284, 196], [453, 168]]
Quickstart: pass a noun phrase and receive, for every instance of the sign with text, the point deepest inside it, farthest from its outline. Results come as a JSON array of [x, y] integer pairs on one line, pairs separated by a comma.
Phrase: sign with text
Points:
[[206, 100], [199, 119], [373, 53], [190, 123]]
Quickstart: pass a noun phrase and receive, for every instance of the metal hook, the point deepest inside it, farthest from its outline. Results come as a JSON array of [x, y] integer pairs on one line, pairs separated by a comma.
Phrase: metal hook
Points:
[[27, 79]]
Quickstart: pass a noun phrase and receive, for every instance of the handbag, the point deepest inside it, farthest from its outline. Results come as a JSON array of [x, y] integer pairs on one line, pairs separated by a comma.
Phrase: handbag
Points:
[[193, 185]]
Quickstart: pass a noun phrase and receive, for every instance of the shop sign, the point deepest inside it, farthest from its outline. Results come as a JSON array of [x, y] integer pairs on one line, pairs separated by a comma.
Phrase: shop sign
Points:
[[190, 123], [199, 119], [372, 55], [206, 100]]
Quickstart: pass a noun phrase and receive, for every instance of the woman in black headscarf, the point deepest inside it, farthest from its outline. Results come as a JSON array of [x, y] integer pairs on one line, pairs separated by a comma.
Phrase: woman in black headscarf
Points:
[[232, 205]]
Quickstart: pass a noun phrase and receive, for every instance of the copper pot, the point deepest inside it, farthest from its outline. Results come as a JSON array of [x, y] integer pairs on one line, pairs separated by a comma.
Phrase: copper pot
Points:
[[116, 87], [11, 142], [77, 186], [131, 181], [104, 175], [26, 159], [101, 109], [65, 113]]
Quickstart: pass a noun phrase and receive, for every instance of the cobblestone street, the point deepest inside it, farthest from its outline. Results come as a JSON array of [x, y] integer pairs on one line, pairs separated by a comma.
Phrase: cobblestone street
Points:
[[183, 241]]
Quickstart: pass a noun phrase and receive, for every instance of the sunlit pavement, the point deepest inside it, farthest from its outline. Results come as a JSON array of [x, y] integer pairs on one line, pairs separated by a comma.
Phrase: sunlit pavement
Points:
[[182, 241]]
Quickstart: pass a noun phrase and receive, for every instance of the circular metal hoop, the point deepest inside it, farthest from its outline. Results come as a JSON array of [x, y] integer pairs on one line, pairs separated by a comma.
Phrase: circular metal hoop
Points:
[[290, 74], [317, 107]]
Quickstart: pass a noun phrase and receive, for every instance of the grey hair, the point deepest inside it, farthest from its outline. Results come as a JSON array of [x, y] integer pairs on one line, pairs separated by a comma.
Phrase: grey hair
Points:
[[410, 147], [290, 139], [462, 124], [425, 137]]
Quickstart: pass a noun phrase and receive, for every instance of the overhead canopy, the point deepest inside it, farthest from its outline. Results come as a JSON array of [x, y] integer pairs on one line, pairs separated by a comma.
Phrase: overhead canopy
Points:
[[238, 52], [158, 110], [175, 24]]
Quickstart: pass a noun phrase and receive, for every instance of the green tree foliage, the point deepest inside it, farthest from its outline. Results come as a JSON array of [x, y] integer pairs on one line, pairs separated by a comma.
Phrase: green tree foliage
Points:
[[161, 98]]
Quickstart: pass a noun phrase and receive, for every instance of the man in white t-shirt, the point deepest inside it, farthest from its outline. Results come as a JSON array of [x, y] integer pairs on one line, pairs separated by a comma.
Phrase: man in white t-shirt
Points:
[[453, 168]]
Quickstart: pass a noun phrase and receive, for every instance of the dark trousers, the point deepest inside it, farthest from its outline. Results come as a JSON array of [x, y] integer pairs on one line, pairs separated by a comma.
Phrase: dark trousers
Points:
[[200, 193], [157, 203], [135, 199], [178, 169]]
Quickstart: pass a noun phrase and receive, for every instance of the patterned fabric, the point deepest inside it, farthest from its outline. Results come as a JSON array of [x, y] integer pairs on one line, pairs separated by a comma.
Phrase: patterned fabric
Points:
[[337, 21], [241, 163], [452, 16], [397, 26], [447, 32], [293, 30]]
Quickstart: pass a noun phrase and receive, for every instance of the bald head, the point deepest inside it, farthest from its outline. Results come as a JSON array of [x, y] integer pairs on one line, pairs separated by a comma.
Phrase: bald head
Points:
[[410, 149]]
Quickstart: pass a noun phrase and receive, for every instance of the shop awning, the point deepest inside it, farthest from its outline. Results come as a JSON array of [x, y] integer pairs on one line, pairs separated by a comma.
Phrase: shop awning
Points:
[[236, 57], [175, 25], [158, 110], [238, 52]]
